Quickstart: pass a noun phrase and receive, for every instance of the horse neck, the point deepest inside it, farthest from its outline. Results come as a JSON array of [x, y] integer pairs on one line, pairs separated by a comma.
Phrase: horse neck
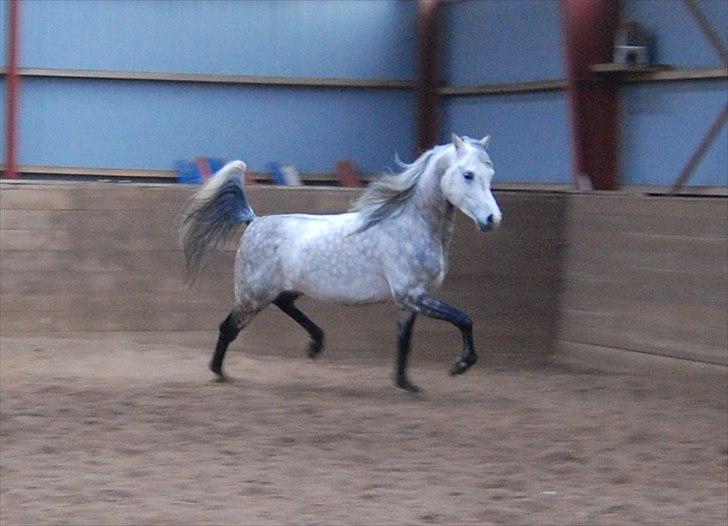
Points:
[[428, 201]]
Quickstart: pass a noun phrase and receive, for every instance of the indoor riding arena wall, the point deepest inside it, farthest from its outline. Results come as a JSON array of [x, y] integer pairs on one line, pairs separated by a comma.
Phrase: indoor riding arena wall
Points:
[[566, 271]]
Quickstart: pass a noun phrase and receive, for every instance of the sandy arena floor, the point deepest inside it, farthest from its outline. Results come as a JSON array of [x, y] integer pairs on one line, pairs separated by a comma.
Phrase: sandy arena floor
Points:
[[129, 431]]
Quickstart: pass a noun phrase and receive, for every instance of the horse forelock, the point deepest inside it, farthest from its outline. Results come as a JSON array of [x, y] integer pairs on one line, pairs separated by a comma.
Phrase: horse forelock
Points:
[[479, 148]]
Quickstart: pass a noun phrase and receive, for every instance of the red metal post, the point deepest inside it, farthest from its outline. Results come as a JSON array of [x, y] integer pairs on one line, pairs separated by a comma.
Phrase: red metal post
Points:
[[12, 89], [590, 27], [428, 78]]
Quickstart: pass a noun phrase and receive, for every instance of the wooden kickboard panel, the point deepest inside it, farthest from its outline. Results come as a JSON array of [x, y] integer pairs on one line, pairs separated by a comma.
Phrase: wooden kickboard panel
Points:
[[642, 274], [648, 275]]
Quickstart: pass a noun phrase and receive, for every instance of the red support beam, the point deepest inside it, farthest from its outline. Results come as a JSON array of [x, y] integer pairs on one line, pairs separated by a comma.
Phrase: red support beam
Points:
[[590, 27], [12, 89], [428, 78]]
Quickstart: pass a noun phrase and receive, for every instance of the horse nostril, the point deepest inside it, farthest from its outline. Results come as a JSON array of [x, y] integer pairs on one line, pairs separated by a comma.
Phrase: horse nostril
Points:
[[489, 219]]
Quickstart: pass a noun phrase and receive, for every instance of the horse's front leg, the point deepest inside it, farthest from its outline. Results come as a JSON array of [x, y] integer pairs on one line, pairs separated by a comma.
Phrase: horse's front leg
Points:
[[432, 308]]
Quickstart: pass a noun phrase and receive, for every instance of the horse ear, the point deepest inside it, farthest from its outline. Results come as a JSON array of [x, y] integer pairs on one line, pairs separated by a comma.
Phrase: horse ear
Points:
[[485, 141], [458, 143]]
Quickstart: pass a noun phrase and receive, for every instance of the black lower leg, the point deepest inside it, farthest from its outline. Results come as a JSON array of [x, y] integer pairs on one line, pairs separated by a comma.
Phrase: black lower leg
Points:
[[229, 329], [285, 302], [437, 309], [404, 339]]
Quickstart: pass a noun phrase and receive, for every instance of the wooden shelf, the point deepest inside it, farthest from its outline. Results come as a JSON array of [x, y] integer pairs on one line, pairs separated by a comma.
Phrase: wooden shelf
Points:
[[624, 69], [504, 89], [165, 175], [655, 73]]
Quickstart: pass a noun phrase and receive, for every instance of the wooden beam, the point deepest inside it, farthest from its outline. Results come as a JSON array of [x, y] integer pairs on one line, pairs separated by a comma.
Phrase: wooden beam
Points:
[[73, 171], [630, 76], [247, 80], [138, 174], [504, 89], [672, 75]]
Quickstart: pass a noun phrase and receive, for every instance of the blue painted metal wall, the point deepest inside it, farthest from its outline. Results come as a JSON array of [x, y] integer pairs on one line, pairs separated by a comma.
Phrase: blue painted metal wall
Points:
[[145, 125], [148, 125], [502, 41], [664, 123], [505, 42], [350, 38]]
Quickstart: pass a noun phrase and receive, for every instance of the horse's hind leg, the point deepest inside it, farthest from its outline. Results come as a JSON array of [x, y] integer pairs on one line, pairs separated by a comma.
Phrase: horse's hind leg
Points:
[[285, 302], [404, 339], [229, 330]]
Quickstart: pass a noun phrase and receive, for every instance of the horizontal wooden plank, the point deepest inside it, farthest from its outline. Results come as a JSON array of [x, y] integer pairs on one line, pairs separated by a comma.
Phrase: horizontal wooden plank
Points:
[[357, 326], [504, 89], [712, 248], [654, 225], [622, 259], [671, 75], [668, 208], [699, 291], [239, 80], [219, 263], [523, 219], [666, 339]]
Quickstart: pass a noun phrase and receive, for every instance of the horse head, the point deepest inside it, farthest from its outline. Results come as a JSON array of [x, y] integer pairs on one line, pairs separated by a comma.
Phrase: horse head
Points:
[[466, 182]]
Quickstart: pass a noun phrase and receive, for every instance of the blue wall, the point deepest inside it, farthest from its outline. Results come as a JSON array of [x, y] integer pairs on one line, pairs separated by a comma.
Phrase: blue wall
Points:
[[664, 123], [351, 38], [504, 42], [148, 125], [530, 133]]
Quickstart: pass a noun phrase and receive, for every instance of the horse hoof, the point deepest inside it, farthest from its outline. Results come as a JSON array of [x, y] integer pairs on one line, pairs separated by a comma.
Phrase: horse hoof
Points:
[[315, 348], [405, 384], [461, 366], [217, 369]]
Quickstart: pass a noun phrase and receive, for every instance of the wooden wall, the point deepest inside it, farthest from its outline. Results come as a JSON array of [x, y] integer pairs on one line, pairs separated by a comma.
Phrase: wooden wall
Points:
[[646, 274], [99, 258]]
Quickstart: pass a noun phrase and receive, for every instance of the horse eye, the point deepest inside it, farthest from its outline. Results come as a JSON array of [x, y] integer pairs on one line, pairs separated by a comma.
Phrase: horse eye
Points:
[[468, 175]]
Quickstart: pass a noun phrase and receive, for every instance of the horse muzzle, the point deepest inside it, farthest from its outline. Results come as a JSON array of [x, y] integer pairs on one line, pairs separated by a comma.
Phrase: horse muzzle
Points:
[[491, 222]]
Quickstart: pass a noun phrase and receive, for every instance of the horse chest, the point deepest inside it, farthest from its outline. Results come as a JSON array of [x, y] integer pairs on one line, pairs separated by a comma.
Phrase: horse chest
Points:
[[424, 263]]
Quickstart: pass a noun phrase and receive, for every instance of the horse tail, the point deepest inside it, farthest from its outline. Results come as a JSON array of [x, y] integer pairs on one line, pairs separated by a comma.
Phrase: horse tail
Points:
[[212, 214]]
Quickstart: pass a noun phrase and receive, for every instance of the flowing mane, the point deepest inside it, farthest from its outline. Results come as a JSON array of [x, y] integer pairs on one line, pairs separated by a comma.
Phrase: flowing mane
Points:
[[386, 195]]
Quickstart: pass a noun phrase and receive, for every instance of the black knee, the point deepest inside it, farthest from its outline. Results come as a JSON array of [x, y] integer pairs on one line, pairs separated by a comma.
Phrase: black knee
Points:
[[464, 323], [229, 329]]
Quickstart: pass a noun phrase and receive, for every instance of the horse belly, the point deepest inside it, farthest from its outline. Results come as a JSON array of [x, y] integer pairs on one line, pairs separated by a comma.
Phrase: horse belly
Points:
[[326, 281], [338, 270]]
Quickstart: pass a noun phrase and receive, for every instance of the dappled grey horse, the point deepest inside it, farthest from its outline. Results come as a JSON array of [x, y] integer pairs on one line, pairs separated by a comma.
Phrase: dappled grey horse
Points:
[[391, 246]]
